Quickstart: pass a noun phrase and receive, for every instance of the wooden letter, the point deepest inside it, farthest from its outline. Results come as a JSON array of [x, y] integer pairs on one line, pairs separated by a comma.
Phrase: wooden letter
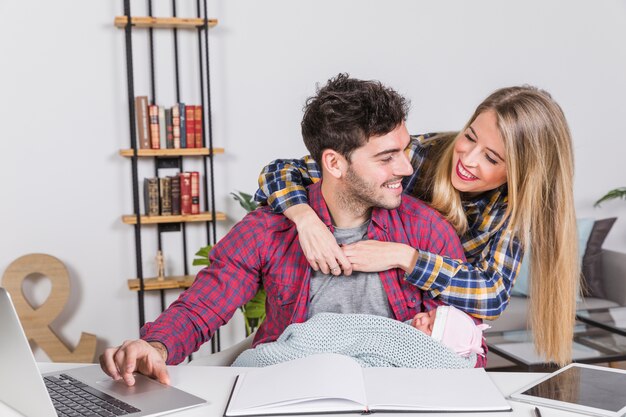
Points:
[[36, 322]]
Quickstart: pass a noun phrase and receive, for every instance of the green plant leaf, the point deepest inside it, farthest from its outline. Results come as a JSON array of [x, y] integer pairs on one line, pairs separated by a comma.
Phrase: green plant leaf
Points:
[[245, 200], [612, 195], [203, 256], [254, 311]]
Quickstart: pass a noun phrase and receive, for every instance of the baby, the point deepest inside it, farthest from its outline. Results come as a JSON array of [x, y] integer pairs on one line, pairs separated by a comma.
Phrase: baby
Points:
[[452, 328]]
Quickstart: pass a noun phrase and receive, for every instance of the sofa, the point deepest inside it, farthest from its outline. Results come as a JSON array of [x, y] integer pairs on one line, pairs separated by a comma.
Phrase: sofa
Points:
[[613, 282], [603, 276]]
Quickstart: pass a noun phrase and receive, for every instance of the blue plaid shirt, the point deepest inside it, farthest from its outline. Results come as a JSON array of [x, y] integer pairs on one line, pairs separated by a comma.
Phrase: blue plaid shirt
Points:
[[479, 286]]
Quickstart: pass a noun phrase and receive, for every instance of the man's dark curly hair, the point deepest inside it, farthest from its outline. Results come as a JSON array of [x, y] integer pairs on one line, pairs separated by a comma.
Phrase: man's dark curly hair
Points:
[[346, 112]]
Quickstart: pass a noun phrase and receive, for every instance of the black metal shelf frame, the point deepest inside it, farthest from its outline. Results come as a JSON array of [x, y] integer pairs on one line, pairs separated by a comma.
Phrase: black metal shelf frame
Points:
[[174, 162]]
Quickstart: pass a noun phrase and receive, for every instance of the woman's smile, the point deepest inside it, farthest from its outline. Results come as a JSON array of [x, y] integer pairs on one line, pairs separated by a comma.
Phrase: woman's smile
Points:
[[463, 173]]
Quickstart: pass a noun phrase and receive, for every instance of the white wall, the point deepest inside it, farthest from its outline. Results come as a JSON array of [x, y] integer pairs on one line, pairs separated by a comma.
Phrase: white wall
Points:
[[64, 115]]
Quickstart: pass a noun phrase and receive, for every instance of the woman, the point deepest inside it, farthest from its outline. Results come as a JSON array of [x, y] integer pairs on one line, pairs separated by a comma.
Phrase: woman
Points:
[[504, 181]]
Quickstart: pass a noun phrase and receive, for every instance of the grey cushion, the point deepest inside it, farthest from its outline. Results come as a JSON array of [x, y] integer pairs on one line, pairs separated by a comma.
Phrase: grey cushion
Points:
[[591, 302], [513, 317]]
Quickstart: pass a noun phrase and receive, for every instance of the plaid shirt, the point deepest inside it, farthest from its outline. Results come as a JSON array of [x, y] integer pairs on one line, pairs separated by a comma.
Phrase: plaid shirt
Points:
[[264, 247], [479, 286]]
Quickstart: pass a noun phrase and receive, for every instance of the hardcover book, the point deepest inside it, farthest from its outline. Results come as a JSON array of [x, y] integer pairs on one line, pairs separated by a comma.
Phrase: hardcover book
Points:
[[195, 192], [331, 383], [198, 121], [176, 126], [155, 140], [162, 128], [165, 194], [185, 193], [169, 131], [143, 124], [175, 180], [183, 125], [151, 196], [190, 126]]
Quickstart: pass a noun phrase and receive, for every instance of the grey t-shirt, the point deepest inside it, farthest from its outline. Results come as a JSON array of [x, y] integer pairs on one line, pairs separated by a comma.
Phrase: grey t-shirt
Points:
[[361, 292]]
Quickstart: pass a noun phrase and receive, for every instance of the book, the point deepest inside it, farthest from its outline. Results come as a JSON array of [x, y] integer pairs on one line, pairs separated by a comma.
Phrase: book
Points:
[[581, 388], [198, 121], [190, 124], [151, 196], [155, 140], [183, 125], [143, 124], [185, 193], [162, 128], [331, 383], [195, 192], [176, 126], [165, 196], [175, 187], [169, 132]]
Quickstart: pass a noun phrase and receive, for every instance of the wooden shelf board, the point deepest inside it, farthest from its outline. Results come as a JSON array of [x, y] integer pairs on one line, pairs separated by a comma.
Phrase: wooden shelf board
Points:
[[167, 283], [172, 152], [202, 217], [163, 22]]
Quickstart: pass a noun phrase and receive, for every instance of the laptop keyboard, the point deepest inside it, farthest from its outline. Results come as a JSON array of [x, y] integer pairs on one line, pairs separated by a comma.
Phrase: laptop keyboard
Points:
[[72, 398]]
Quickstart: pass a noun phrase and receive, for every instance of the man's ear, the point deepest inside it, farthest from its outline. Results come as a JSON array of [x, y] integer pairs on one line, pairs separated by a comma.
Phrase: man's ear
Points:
[[334, 163]]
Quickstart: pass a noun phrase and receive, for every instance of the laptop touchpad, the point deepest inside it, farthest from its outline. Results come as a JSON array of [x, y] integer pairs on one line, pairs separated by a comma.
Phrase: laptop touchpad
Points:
[[142, 385]]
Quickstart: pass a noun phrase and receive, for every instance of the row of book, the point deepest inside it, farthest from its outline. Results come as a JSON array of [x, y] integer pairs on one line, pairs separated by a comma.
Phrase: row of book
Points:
[[179, 126], [172, 195]]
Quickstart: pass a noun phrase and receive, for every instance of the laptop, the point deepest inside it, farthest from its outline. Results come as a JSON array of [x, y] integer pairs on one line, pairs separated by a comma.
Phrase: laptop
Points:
[[83, 391]]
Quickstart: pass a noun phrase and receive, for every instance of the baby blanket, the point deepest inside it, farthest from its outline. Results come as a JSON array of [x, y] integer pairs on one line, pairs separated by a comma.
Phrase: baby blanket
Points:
[[373, 341]]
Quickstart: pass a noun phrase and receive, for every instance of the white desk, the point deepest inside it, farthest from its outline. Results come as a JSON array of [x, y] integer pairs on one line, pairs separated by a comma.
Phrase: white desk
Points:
[[214, 384]]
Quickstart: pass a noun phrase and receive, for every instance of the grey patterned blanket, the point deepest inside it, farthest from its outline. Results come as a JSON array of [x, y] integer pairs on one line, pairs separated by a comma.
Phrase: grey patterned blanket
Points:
[[373, 341]]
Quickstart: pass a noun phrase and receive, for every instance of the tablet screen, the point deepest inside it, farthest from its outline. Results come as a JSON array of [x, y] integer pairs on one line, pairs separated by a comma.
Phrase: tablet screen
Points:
[[584, 386]]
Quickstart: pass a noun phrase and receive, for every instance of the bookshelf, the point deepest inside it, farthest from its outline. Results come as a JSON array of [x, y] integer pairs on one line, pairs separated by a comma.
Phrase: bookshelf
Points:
[[187, 218], [171, 152], [163, 22], [168, 158], [169, 283]]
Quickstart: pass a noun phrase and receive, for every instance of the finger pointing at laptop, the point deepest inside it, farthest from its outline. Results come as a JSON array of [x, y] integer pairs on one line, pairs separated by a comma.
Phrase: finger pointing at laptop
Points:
[[140, 356]]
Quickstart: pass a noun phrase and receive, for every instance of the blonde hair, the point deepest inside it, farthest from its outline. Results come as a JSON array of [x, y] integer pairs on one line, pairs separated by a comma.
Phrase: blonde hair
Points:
[[540, 173]]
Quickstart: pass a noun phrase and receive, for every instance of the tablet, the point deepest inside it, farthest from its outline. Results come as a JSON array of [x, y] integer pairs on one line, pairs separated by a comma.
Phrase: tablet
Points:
[[589, 389]]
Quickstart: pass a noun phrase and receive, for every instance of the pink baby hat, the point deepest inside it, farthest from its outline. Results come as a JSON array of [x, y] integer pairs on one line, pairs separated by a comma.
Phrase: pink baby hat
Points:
[[458, 331]]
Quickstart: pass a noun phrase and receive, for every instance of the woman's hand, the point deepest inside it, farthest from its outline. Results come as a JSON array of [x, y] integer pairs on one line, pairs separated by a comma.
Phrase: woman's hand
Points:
[[318, 243], [376, 256]]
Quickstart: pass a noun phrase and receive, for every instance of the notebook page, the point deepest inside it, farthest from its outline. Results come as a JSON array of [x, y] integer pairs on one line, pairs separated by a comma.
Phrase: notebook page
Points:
[[432, 389], [295, 382]]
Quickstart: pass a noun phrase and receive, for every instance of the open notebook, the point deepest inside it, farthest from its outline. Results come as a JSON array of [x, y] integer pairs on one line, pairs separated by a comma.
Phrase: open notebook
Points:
[[330, 383]]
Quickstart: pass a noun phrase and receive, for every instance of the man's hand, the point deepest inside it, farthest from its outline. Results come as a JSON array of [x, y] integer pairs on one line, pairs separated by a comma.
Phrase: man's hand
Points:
[[318, 243], [147, 358]]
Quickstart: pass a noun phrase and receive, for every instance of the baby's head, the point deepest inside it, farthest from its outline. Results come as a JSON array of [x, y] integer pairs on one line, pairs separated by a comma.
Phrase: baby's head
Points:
[[453, 328], [424, 321]]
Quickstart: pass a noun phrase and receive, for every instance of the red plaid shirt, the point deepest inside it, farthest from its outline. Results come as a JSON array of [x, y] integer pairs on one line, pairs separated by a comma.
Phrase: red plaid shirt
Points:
[[264, 247]]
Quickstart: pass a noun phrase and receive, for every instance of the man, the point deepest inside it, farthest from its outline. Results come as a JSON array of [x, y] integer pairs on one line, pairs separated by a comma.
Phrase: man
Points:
[[355, 130]]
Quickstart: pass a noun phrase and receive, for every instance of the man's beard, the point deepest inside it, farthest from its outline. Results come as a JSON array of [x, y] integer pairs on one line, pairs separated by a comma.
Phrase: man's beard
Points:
[[359, 196]]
